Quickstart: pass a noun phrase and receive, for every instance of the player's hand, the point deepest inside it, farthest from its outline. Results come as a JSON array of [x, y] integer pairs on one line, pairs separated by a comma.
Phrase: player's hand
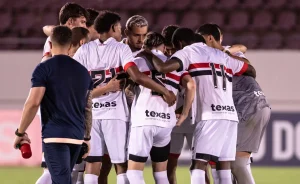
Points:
[[19, 139], [89, 149], [146, 53], [115, 85], [129, 92], [180, 118], [169, 98]]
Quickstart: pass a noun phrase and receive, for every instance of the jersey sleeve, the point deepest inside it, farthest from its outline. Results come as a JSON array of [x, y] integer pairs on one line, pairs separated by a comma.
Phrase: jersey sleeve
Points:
[[237, 67], [81, 56], [39, 76], [47, 47], [182, 59], [127, 59], [240, 54]]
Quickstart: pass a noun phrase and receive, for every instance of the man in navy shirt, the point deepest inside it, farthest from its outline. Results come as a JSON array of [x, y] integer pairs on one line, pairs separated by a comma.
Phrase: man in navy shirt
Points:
[[61, 86]]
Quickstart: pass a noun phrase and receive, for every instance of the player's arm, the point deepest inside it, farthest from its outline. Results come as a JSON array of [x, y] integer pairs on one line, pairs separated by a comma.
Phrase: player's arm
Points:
[[240, 68], [113, 85], [88, 116], [237, 48], [250, 71], [144, 80], [190, 88], [162, 67], [48, 29], [30, 109]]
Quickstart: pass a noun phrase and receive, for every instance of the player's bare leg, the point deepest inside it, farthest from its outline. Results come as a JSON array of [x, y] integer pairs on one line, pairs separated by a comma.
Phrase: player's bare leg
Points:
[[92, 172], [197, 170], [121, 169], [171, 169], [105, 170], [224, 172], [240, 168], [160, 172], [135, 172]]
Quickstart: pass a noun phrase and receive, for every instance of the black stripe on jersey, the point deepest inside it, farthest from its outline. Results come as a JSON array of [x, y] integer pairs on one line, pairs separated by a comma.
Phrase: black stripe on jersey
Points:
[[171, 83], [209, 72]]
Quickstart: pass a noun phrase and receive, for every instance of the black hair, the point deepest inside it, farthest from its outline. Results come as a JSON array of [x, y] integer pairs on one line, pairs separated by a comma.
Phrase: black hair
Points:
[[210, 29], [92, 16], [199, 38], [79, 33], [106, 20], [61, 35], [153, 39], [71, 10], [167, 32], [183, 35]]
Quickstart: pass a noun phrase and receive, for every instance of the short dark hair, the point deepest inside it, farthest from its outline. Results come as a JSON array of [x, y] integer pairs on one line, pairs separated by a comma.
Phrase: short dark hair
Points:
[[105, 20], [183, 34], [167, 32], [61, 35], [78, 33], [92, 16], [71, 10], [153, 39], [210, 29]]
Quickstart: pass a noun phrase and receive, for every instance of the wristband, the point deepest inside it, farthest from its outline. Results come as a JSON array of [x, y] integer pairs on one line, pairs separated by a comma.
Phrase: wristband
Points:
[[87, 139], [19, 134]]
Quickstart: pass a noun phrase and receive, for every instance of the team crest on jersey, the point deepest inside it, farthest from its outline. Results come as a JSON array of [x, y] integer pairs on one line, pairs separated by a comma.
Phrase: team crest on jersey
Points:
[[153, 114], [98, 105], [222, 108]]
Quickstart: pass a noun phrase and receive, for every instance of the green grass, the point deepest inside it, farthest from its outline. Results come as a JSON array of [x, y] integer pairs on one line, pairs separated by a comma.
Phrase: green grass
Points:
[[263, 175]]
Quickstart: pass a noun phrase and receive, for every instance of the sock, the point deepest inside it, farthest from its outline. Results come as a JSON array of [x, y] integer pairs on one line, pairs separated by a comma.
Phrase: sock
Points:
[[80, 178], [215, 176], [90, 179], [45, 178], [122, 179], [242, 171], [135, 177], [225, 176], [74, 176], [161, 177], [197, 176]]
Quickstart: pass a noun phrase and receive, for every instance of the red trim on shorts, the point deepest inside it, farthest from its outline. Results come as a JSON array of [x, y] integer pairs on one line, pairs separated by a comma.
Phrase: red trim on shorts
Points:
[[128, 65], [174, 155], [212, 163]]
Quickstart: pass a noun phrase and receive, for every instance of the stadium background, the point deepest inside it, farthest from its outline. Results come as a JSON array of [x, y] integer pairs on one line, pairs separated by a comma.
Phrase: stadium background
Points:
[[269, 28]]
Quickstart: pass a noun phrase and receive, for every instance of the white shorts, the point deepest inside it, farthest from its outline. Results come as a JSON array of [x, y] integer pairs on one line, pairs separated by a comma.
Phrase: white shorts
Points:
[[111, 135], [215, 140], [177, 140], [143, 138]]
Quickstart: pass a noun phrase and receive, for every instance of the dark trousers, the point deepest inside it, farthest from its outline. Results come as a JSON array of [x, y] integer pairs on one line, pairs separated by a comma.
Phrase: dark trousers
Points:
[[60, 159]]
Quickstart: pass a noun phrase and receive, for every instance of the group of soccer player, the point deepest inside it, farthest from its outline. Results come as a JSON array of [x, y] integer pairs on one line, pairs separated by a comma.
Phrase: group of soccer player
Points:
[[152, 91]]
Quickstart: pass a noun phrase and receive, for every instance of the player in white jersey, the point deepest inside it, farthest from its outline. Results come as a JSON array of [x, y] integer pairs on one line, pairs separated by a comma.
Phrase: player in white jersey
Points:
[[135, 31], [216, 117], [71, 15], [185, 131], [105, 58], [152, 119]]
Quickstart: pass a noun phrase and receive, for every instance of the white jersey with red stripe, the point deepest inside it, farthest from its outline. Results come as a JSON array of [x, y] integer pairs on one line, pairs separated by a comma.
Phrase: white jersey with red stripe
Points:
[[47, 47], [212, 71], [148, 107], [104, 61]]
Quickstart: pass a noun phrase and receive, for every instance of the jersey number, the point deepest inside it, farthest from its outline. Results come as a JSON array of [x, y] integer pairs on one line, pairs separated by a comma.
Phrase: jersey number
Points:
[[99, 77], [214, 74], [159, 78]]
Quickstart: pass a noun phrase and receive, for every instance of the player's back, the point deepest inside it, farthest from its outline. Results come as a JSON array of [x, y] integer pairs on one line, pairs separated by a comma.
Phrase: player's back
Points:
[[104, 61], [63, 105], [148, 107], [212, 71]]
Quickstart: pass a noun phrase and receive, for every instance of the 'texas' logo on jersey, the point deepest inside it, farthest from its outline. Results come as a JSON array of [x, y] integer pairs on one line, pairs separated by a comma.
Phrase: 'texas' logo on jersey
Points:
[[222, 108], [98, 105], [154, 114]]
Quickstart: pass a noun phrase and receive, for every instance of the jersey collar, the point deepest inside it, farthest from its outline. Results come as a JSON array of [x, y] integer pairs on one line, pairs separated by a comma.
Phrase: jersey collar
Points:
[[111, 39]]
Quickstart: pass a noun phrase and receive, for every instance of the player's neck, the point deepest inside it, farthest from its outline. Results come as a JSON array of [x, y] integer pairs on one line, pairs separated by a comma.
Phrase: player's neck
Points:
[[59, 51], [104, 37], [132, 48]]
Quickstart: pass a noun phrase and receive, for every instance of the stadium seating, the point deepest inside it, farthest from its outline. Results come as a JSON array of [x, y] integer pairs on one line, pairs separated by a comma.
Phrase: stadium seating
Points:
[[262, 21]]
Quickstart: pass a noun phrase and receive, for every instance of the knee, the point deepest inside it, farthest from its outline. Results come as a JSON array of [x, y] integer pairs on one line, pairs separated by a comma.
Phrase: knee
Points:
[[93, 168], [121, 168]]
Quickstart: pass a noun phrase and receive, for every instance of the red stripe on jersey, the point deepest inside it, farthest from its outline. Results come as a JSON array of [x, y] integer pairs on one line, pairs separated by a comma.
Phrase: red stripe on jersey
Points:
[[146, 72], [118, 70], [172, 76], [206, 65], [243, 70], [128, 65]]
